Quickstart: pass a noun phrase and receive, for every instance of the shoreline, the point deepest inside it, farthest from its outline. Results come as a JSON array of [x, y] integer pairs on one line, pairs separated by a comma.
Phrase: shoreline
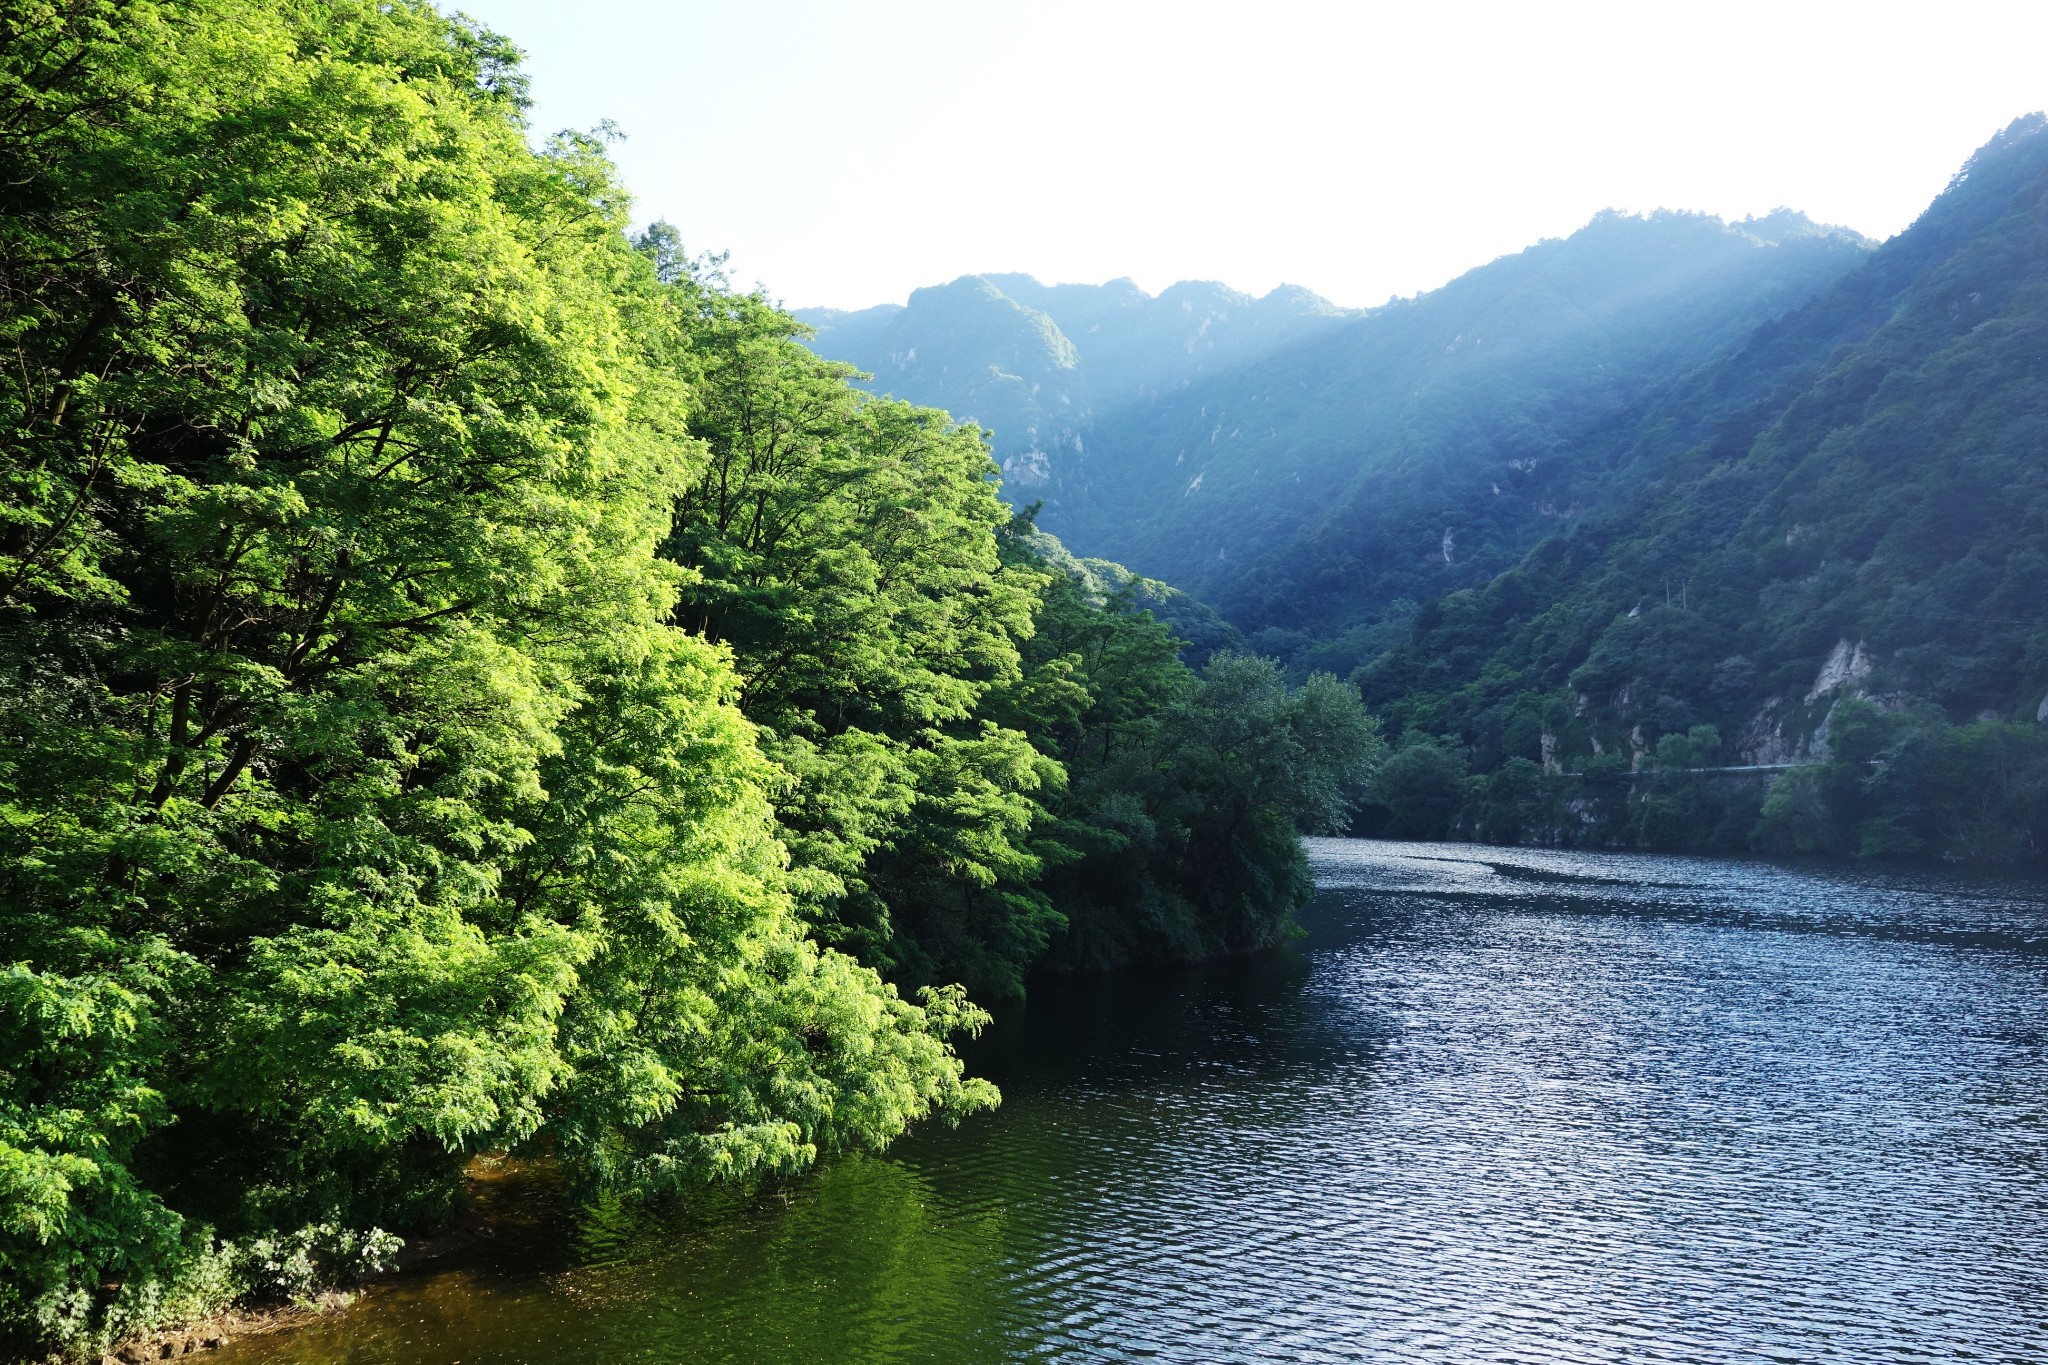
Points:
[[493, 1186], [213, 1332]]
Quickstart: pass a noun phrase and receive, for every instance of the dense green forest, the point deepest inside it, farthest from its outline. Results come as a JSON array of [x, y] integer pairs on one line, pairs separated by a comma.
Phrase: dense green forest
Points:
[[471, 681], [978, 727], [1843, 573]]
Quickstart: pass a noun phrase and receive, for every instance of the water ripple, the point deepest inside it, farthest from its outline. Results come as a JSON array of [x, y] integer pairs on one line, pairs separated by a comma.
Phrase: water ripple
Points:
[[1503, 1106]]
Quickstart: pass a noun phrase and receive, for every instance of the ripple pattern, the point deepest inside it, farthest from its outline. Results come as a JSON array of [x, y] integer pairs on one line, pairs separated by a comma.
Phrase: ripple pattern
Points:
[[1500, 1106]]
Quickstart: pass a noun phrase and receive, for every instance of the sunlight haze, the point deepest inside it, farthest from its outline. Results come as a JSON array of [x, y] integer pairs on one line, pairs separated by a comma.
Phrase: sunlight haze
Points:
[[1361, 151], [549, 784]]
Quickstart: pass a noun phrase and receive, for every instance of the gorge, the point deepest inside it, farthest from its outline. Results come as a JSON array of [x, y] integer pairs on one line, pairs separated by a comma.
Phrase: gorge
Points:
[[509, 739]]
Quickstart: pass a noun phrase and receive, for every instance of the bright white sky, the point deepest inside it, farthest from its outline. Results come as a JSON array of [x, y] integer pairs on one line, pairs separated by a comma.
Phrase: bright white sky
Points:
[[846, 153]]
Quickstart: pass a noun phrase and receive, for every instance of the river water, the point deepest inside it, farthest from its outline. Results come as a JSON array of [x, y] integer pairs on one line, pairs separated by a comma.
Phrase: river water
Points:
[[1497, 1105]]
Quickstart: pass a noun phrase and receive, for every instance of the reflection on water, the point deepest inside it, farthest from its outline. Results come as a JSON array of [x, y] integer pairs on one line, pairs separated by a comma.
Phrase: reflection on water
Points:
[[1499, 1105]]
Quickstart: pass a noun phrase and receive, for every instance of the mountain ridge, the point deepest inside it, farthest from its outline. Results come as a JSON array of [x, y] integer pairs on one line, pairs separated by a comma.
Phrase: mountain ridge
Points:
[[1033, 362], [1088, 440], [1838, 564], [1668, 478]]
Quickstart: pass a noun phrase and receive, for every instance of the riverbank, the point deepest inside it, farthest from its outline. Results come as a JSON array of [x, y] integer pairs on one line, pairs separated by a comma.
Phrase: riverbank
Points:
[[503, 1200], [212, 1333]]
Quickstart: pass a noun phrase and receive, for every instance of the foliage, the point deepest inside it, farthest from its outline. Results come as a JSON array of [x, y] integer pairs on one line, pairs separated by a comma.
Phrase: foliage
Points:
[[361, 807], [1419, 789], [994, 750], [1175, 835], [297, 1264], [1903, 783], [845, 549], [1844, 508], [1519, 802], [470, 682]]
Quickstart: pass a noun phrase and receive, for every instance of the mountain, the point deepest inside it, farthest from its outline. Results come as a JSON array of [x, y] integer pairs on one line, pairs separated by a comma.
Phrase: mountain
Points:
[[1604, 527], [1036, 363], [1851, 503], [1315, 473], [1321, 490]]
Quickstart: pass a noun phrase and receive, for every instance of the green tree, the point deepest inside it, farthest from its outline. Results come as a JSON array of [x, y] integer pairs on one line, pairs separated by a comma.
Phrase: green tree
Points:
[[1181, 838], [1520, 803], [1421, 786], [360, 808], [463, 679], [845, 548], [1676, 805]]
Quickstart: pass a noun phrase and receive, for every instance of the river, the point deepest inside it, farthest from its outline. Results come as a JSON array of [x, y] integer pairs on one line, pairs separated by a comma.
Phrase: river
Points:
[[1497, 1105]]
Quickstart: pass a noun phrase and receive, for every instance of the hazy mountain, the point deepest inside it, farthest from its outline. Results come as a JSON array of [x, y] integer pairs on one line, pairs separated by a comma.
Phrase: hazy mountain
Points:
[[1036, 363], [1315, 472], [1665, 474], [1426, 445]]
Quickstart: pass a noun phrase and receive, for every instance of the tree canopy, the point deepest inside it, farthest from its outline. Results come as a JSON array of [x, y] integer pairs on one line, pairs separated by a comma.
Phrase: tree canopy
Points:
[[472, 682]]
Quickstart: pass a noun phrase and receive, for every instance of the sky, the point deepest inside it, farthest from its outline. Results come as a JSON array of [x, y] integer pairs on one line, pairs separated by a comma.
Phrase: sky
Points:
[[847, 153]]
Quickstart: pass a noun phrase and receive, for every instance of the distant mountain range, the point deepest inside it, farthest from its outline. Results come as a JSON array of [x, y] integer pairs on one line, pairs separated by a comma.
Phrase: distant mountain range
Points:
[[1850, 501], [1037, 364], [1309, 469], [1666, 471]]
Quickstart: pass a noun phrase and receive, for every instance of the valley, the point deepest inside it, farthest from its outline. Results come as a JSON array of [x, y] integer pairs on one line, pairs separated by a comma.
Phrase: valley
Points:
[[1637, 485]]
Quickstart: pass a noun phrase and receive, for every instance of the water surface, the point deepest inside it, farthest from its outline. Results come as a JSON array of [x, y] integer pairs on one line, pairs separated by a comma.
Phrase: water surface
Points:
[[1498, 1105]]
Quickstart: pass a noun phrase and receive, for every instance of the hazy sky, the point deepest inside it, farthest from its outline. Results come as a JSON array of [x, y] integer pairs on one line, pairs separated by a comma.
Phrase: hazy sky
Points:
[[846, 153]]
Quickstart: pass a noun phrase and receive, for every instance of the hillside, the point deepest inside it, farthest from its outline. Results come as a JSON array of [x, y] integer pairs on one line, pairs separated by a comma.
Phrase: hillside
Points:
[[1313, 473], [1201, 632], [1667, 480], [1853, 504], [1426, 445]]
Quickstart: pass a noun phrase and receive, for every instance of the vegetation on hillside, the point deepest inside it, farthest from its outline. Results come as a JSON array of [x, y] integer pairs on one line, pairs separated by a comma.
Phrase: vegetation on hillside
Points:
[[1670, 484], [1317, 475], [1317, 495], [1845, 570], [953, 695]]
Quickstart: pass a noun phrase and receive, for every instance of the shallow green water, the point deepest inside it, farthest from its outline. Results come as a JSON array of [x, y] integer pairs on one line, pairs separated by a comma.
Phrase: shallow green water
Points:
[[1500, 1105]]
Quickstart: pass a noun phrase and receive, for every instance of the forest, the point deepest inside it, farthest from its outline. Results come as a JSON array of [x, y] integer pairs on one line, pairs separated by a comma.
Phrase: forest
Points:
[[472, 681], [476, 683], [1834, 567]]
